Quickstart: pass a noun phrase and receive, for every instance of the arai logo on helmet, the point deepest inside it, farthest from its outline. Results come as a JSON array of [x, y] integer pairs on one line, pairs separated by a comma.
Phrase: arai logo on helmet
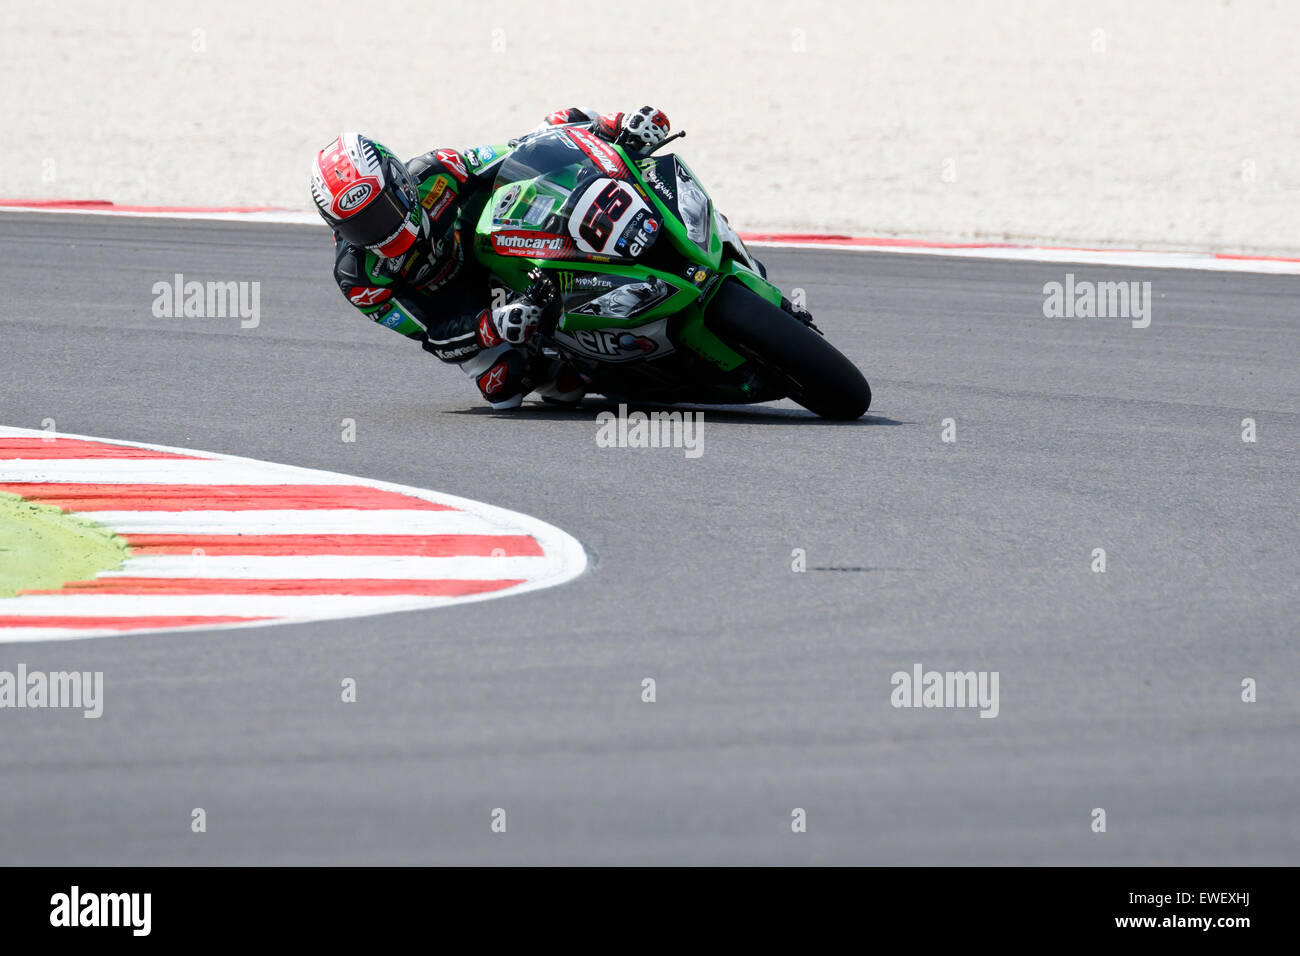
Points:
[[354, 197]]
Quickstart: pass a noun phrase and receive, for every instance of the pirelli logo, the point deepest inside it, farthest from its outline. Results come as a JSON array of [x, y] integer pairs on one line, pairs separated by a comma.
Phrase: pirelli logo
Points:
[[439, 185]]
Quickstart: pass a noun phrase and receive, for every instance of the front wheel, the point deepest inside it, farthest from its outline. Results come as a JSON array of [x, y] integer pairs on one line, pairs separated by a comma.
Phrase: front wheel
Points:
[[817, 376]]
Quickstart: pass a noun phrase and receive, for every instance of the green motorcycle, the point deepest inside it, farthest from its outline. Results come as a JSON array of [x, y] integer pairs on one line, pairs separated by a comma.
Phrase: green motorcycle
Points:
[[660, 299]]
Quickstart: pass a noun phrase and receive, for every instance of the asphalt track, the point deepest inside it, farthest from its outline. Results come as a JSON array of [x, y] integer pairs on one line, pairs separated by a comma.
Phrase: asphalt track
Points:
[[1118, 690]]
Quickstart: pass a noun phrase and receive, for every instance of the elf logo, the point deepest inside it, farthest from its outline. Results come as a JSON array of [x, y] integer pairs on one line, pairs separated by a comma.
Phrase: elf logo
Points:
[[355, 196], [605, 342], [645, 235], [131, 910]]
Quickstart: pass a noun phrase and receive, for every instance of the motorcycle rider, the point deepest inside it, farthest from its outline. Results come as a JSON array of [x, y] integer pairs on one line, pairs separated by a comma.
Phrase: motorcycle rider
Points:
[[400, 231]]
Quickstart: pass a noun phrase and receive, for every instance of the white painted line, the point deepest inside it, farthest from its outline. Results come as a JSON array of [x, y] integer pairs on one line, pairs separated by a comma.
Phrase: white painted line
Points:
[[1144, 259], [1118, 257], [295, 607], [281, 216], [171, 471]]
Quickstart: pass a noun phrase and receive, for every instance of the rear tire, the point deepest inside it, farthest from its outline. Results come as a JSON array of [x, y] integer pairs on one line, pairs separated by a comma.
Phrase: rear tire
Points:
[[817, 375]]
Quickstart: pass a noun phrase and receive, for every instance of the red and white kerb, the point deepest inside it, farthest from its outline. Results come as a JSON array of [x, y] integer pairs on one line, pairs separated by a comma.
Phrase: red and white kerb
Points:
[[217, 541]]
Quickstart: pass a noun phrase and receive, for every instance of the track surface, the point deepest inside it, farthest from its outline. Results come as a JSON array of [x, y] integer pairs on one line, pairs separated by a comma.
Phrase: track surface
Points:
[[1118, 690]]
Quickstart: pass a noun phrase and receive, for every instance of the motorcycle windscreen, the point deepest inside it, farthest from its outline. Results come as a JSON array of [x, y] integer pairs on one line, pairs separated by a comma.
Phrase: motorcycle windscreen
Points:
[[570, 186]]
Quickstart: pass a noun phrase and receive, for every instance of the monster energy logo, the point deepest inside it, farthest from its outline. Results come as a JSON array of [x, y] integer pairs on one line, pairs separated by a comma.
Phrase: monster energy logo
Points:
[[570, 281]]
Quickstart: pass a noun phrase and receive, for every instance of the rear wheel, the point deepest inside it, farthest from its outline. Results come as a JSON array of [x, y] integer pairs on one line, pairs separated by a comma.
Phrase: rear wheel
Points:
[[816, 374]]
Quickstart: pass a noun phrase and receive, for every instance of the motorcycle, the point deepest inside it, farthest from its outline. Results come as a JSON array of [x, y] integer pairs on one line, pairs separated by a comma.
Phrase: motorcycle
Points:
[[660, 299]]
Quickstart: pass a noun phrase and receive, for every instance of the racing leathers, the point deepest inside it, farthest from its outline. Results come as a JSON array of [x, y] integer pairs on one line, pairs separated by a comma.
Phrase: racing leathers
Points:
[[436, 292]]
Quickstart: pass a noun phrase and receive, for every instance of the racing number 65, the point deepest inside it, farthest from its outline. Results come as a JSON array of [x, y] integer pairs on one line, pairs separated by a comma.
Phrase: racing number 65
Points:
[[605, 208]]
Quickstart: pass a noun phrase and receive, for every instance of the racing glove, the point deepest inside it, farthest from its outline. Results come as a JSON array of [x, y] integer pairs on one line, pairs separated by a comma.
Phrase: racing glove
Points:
[[517, 322], [643, 130], [542, 293]]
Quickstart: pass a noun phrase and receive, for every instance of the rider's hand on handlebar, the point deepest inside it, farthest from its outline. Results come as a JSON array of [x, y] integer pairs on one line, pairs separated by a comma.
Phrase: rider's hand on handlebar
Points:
[[642, 131], [517, 322], [542, 293]]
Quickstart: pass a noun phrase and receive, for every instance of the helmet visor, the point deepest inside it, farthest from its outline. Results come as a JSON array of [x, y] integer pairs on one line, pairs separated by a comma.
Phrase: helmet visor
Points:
[[377, 221]]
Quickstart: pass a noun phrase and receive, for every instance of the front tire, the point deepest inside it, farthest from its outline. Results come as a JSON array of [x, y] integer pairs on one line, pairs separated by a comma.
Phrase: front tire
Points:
[[817, 375]]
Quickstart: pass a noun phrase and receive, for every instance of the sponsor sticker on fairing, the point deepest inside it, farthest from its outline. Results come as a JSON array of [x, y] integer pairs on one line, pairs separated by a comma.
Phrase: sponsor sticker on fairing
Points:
[[619, 345], [599, 151], [650, 173], [584, 282], [523, 243], [506, 201], [637, 243]]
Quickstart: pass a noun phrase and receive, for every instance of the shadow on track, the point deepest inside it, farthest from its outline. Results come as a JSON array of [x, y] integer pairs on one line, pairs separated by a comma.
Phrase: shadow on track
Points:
[[720, 414]]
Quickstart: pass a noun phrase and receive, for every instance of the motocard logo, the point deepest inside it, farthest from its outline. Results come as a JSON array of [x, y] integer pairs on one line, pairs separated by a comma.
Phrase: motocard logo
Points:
[[355, 196], [527, 243], [452, 160], [600, 152]]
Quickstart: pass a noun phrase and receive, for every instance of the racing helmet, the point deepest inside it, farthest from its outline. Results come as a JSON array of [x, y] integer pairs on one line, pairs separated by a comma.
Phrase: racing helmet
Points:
[[367, 195]]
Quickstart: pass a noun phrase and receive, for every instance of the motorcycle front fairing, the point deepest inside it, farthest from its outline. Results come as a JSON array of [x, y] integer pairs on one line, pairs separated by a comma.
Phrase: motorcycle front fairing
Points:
[[635, 247]]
